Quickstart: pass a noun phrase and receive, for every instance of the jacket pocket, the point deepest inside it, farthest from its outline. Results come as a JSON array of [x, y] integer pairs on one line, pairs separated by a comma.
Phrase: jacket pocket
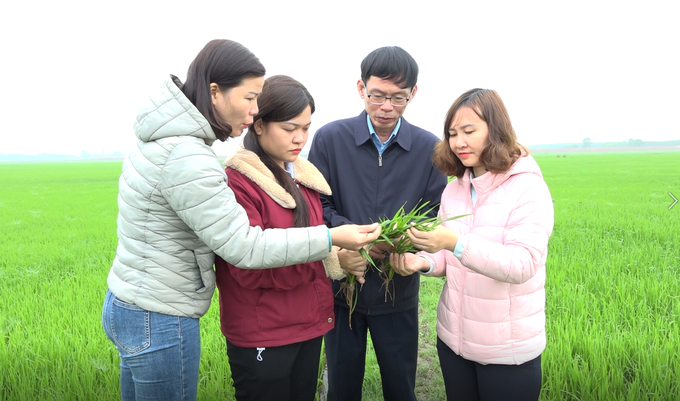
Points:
[[280, 309], [205, 262]]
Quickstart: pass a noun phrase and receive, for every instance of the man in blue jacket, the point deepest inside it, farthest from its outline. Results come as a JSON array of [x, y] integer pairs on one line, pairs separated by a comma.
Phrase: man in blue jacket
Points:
[[376, 163]]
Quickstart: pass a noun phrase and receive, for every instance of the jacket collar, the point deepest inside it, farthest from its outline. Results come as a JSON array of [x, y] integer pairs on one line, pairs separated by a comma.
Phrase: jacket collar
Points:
[[489, 181], [247, 163], [361, 134]]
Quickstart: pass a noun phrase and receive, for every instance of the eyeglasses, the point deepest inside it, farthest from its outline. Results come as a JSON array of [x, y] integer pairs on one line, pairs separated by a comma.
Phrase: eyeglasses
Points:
[[397, 101]]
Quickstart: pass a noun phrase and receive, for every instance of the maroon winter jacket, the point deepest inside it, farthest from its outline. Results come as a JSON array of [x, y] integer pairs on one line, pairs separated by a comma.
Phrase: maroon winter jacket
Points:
[[280, 306]]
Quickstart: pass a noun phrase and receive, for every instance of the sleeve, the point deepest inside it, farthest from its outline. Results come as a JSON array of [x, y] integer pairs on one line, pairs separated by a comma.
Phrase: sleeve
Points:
[[332, 265], [437, 263], [431, 269], [284, 278], [195, 186], [525, 239], [319, 157]]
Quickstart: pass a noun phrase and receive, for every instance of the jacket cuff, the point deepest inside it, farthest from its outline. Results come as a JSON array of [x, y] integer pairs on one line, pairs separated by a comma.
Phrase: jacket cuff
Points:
[[332, 265], [460, 247], [431, 265]]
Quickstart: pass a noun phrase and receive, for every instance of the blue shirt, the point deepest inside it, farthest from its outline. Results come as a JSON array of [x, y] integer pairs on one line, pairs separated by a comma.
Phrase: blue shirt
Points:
[[376, 141], [289, 169]]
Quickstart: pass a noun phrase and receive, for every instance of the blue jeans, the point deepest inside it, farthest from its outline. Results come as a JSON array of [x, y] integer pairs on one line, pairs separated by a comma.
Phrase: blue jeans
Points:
[[159, 353]]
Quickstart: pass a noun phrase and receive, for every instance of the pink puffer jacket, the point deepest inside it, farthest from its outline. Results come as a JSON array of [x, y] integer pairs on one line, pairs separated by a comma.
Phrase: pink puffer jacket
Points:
[[492, 306]]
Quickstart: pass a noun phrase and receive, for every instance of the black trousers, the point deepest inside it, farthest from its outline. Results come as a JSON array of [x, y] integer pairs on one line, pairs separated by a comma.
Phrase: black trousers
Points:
[[468, 380], [395, 340], [286, 373]]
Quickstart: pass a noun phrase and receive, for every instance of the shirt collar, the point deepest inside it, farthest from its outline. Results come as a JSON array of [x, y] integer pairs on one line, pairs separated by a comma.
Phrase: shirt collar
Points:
[[290, 170], [374, 136], [363, 134]]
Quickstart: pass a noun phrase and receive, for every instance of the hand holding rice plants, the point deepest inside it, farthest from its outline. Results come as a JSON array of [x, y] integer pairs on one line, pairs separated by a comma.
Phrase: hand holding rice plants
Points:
[[395, 238]]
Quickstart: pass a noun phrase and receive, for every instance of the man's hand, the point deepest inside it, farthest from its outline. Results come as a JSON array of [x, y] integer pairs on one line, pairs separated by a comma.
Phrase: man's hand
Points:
[[379, 250], [353, 263]]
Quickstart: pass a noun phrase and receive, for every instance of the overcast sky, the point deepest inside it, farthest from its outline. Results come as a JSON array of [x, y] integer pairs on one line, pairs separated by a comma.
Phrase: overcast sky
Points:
[[75, 72]]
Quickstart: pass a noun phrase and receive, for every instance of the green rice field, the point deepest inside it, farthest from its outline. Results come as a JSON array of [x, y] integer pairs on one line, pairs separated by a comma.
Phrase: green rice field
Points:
[[613, 287]]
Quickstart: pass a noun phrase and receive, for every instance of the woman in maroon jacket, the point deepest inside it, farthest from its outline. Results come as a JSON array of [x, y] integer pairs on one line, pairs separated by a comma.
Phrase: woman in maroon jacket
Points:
[[274, 320]]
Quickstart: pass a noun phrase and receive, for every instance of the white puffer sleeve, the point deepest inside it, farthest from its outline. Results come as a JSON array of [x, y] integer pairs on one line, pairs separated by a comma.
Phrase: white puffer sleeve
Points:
[[195, 185]]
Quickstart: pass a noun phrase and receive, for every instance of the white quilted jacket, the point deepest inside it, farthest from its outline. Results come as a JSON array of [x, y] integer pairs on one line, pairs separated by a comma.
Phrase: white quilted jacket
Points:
[[175, 208]]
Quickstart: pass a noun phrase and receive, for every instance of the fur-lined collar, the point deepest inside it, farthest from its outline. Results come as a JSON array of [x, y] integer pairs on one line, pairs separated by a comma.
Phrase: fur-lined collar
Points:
[[247, 163]]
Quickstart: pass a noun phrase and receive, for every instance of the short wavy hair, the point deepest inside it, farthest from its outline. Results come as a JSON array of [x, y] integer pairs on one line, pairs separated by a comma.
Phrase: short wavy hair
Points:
[[502, 148]]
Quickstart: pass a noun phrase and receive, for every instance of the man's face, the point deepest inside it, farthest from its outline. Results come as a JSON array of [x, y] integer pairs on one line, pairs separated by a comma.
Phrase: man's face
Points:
[[384, 117]]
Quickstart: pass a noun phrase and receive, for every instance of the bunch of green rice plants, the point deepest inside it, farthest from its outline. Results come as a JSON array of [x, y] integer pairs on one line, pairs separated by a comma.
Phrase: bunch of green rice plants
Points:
[[394, 233]]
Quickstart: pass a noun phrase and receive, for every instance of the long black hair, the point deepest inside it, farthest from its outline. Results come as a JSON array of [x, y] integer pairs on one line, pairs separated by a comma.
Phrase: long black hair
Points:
[[282, 99]]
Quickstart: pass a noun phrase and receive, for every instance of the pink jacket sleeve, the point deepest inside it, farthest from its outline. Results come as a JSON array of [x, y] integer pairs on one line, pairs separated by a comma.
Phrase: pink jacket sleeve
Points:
[[523, 248]]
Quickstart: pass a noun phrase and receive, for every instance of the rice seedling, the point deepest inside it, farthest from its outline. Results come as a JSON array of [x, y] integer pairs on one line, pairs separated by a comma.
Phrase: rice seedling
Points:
[[394, 233]]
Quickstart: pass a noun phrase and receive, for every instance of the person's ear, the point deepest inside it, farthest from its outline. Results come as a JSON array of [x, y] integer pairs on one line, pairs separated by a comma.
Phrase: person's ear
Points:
[[214, 91], [360, 88], [259, 127], [413, 94]]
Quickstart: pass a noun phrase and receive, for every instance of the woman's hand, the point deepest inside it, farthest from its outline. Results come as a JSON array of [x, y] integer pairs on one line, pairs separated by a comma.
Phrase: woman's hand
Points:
[[353, 263], [379, 250], [408, 263], [433, 241], [354, 237]]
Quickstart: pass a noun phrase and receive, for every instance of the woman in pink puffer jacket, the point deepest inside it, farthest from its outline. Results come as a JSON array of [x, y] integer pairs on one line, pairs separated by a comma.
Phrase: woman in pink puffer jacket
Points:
[[491, 314]]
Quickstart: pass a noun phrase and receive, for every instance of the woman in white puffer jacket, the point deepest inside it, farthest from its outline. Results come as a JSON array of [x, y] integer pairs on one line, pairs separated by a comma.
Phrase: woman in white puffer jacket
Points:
[[491, 314], [175, 209]]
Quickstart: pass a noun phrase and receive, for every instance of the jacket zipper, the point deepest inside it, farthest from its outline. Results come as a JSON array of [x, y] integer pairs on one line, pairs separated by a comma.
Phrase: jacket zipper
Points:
[[380, 154], [460, 318], [465, 274]]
